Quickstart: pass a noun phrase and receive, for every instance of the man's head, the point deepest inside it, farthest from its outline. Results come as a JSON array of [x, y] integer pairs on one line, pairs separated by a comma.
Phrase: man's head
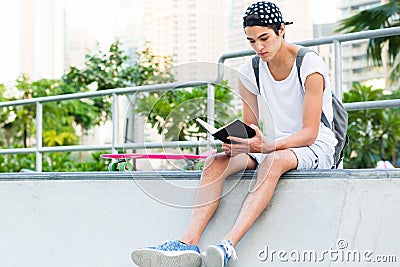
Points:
[[265, 28], [264, 14]]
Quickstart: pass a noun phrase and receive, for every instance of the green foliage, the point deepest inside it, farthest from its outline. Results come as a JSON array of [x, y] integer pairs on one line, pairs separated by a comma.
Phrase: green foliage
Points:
[[373, 133], [110, 70], [102, 70], [63, 162], [150, 68], [58, 118], [51, 138], [17, 162], [4, 116], [383, 16], [173, 113]]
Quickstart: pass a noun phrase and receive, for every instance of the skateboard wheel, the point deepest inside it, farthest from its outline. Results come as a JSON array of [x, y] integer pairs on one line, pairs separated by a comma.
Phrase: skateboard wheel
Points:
[[125, 166], [200, 166], [113, 166]]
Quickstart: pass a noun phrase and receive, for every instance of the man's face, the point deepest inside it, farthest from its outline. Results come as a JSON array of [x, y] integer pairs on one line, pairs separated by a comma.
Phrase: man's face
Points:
[[264, 41]]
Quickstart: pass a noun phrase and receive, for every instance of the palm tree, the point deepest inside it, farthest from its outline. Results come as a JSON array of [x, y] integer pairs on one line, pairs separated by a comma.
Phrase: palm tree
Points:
[[383, 16]]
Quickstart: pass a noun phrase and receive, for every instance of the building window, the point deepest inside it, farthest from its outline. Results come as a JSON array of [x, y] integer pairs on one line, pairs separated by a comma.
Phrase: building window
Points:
[[359, 71]]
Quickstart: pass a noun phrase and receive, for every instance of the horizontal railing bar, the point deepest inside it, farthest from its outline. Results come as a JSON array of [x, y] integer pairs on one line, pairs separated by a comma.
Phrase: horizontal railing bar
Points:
[[377, 104], [108, 92], [347, 37], [324, 40], [5, 151]]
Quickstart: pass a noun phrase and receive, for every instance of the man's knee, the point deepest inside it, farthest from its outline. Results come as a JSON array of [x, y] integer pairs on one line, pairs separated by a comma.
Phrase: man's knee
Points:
[[216, 161], [281, 160], [222, 165], [273, 158], [214, 167]]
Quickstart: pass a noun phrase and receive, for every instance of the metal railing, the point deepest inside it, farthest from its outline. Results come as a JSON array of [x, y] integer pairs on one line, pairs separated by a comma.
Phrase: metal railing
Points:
[[336, 40]]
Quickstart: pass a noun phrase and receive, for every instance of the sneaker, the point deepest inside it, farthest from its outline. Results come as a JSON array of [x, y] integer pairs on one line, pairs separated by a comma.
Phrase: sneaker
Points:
[[172, 253], [219, 255]]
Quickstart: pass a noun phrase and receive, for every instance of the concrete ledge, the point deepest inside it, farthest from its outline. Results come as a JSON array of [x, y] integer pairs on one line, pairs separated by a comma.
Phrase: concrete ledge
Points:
[[195, 175], [96, 219]]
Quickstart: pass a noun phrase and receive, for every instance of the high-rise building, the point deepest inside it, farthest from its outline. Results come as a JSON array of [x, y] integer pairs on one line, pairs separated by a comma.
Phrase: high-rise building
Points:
[[78, 42], [42, 38], [129, 26], [189, 30], [192, 30], [356, 67], [10, 52], [90, 25]]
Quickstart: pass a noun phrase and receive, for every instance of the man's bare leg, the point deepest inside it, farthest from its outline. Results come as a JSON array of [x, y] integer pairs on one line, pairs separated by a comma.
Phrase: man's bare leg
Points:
[[210, 189], [271, 169]]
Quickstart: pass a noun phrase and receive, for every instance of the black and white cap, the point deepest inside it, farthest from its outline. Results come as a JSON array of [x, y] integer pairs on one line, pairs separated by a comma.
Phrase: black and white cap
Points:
[[263, 14]]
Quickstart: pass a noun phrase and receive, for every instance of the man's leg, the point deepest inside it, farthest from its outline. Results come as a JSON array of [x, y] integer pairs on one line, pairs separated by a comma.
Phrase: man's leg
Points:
[[174, 253], [271, 169], [210, 189]]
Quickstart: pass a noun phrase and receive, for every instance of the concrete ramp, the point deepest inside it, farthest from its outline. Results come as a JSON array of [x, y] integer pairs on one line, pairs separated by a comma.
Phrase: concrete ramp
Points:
[[328, 218]]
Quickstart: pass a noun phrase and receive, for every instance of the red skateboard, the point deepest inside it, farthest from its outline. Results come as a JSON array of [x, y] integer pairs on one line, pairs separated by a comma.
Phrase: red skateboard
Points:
[[122, 163]]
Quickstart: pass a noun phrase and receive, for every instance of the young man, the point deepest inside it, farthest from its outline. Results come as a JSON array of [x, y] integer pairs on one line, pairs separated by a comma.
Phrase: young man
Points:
[[301, 140]]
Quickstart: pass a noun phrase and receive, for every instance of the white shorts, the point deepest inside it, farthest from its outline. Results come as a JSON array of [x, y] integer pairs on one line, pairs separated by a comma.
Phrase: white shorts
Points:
[[317, 156]]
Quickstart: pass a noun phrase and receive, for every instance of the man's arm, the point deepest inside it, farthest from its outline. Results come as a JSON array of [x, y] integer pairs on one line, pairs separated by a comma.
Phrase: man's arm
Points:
[[250, 105], [312, 109]]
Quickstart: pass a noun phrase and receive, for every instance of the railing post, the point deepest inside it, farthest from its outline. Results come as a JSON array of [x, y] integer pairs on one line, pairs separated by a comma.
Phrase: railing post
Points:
[[338, 69], [115, 122], [210, 109], [39, 133]]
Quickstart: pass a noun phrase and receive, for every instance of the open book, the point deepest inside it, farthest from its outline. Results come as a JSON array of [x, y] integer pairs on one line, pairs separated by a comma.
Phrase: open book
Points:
[[236, 128]]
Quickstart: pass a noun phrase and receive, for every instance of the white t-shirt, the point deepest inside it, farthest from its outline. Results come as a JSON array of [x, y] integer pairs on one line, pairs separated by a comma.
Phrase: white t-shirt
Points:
[[283, 100]]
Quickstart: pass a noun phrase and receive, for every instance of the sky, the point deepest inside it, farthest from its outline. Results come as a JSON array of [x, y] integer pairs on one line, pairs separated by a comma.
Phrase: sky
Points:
[[98, 22]]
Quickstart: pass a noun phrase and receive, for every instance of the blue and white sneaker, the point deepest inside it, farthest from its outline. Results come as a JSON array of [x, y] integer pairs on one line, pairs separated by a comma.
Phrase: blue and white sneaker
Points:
[[172, 253], [219, 255]]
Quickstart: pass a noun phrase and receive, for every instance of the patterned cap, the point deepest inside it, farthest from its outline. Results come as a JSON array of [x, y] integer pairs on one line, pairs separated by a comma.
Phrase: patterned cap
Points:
[[263, 14]]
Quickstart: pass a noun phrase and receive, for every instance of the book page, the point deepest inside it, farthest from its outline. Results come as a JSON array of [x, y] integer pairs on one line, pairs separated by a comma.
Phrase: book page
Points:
[[206, 126]]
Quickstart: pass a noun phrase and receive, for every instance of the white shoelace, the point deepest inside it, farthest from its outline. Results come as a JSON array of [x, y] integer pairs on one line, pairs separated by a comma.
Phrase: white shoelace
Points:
[[230, 250]]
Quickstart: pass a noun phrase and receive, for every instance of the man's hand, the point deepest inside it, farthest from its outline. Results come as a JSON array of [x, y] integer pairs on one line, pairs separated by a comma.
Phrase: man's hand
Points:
[[257, 144]]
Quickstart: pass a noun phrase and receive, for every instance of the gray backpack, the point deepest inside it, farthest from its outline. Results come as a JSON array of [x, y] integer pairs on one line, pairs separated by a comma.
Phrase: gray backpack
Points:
[[340, 117]]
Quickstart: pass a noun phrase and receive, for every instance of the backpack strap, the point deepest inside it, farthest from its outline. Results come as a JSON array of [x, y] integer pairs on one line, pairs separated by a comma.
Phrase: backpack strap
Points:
[[299, 61], [256, 62]]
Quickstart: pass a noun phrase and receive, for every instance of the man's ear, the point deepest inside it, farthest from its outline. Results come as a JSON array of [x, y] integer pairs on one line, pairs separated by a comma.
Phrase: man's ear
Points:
[[282, 30]]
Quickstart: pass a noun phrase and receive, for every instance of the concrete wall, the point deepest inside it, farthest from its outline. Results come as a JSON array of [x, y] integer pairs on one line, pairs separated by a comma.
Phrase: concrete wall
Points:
[[96, 219]]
